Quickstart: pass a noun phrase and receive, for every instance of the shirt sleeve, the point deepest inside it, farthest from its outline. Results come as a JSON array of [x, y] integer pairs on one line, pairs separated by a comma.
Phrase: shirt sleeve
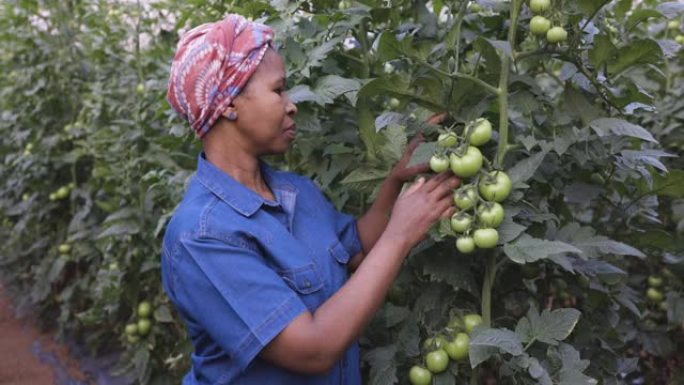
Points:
[[232, 293]]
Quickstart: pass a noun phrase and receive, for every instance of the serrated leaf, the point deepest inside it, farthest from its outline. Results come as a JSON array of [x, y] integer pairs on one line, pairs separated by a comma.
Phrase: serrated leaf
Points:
[[640, 15], [526, 168], [448, 269], [645, 51], [602, 50], [162, 314], [508, 229], [670, 184], [528, 249], [573, 366], [386, 118], [303, 93], [487, 342], [613, 126], [670, 9], [602, 245], [364, 175], [549, 327], [393, 148], [381, 362], [330, 87]]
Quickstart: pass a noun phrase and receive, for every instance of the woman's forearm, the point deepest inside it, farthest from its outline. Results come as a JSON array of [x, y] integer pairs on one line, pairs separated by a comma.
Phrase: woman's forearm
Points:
[[371, 225]]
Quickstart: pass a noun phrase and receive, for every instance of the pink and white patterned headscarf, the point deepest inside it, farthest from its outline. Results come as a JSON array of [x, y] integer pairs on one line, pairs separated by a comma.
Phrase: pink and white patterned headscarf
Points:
[[213, 62]]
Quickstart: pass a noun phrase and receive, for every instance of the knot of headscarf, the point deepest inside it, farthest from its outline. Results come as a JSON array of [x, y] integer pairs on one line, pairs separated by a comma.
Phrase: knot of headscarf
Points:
[[212, 64]]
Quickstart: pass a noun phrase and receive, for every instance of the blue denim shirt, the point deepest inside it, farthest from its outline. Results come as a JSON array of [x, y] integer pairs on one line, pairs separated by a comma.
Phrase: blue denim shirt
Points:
[[239, 268]]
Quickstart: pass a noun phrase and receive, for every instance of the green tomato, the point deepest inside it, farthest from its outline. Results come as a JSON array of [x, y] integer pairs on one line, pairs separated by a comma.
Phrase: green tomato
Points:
[[140, 89], [25, 196], [420, 376], [471, 321], [465, 197], [479, 132], [62, 192], [343, 5], [144, 309], [439, 163], [539, 25], [496, 186], [468, 164], [434, 343], [673, 24], [679, 39], [437, 361], [394, 103], [465, 245], [486, 238], [29, 147], [556, 35], [458, 348], [133, 339], [490, 214], [654, 294], [655, 281], [460, 222], [475, 7], [131, 329], [144, 326], [447, 139], [539, 6], [64, 248]]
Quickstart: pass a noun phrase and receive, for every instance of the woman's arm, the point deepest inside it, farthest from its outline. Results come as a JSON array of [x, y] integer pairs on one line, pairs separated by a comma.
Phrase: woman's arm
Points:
[[313, 343], [371, 225]]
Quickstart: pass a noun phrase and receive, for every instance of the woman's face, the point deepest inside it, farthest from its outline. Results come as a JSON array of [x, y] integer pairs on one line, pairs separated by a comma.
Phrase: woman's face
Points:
[[265, 114]]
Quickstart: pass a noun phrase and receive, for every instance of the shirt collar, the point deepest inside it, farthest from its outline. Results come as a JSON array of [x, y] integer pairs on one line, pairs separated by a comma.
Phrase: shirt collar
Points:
[[242, 199]]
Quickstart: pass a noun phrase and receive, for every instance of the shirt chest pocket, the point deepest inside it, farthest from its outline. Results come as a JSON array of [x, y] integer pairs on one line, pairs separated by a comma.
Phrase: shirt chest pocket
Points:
[[307, 282]]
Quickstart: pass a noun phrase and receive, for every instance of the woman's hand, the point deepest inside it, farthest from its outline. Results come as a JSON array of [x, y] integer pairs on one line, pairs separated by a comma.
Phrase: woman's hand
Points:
[[420, 206], [401, 173]]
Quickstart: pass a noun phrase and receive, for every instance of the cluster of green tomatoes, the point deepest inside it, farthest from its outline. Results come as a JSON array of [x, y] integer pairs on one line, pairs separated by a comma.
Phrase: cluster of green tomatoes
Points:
[[452, 344], [480, 211], [141, 328], [62, 192], [541, 26]]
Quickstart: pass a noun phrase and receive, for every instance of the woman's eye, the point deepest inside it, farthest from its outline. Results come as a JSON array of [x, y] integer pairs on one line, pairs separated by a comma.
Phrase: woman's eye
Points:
[[279, 91]]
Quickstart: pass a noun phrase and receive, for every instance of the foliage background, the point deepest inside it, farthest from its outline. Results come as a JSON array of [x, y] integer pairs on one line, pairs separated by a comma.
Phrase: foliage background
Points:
[[596, 143]]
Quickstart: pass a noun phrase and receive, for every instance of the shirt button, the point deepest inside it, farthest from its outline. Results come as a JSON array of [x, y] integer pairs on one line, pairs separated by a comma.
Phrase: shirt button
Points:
[[307, 284]]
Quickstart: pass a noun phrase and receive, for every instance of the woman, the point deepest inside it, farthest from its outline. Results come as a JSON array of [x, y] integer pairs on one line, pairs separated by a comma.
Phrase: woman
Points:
[[255, 260]]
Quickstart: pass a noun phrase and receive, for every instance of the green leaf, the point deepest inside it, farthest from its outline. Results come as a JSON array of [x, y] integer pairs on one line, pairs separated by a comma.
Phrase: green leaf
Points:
[[670, 9], [508, 229], [640, 15], [669, 185], [550, 327], [453, 271], [381, 362], [487, 342], [389, 48], [394, 146], [589, 7], [330, 87], [613, 126], [573, 366], [527, 249], [645, 51], [303, 93], [602, 50], [526, 168], [163, 314], [364, 175]]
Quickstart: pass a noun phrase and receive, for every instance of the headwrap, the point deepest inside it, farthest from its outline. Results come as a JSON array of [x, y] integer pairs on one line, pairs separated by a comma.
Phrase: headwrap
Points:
[[213, 62]]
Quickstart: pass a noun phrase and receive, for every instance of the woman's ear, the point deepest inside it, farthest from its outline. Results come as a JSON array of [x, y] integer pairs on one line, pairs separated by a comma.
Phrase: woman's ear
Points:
[[230, 113]]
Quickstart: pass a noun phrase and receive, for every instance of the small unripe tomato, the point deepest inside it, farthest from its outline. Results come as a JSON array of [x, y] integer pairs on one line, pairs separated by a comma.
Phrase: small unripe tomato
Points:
[[144, 309], [458, 348], [539, 6], [673, 24], [465, 245], [418, 375], [655, 281], [434, 343], [140, 89], [465, 197], [468, 164], [447, 139], [490, 214], [144, 326], [439, 163], [394, 103], [486, 238], [388, 68], [131, 329], [64, 248], [479, 132], [471, 321], [679, 39], [496, 186], [437, 361], [654, 294], [556, 35], [460, 222], [539, 25]]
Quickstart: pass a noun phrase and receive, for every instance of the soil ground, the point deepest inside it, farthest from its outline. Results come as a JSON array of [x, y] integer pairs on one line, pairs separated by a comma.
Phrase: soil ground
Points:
[[22, 345]]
